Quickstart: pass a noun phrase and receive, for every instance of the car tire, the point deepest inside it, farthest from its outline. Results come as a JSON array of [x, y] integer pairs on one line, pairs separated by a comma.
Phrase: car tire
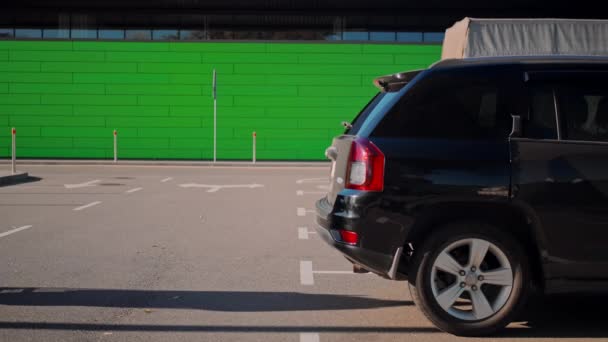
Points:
[[428, 275]]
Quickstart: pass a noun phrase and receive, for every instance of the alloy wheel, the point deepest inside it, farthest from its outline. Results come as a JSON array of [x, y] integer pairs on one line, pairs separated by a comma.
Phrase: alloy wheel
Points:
[[471, 279]]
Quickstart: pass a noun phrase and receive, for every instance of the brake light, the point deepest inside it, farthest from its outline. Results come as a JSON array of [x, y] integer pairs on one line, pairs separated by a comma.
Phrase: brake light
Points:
[[349, 237], [365, 166]]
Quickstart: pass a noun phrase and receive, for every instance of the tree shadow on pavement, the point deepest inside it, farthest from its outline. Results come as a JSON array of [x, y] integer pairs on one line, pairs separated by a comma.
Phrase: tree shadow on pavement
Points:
[[231, 301]]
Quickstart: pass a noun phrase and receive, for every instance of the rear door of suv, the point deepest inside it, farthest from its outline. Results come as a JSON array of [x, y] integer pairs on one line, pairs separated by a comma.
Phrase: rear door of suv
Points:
[[446, 140], [560, 169]]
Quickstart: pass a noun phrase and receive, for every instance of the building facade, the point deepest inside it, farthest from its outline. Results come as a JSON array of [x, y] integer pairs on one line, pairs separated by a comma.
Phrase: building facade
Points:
[[71, 71]]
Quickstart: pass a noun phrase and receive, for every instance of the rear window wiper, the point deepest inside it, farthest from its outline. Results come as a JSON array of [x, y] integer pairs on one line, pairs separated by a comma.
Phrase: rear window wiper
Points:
[[347, 124]]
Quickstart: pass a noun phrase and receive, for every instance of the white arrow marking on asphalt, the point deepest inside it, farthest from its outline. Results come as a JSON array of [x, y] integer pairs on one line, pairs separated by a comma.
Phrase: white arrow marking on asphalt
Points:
[[302, 192], [216, 188], [311, 180], [166, 179], [86, 206], [15, 230], [82, 185]]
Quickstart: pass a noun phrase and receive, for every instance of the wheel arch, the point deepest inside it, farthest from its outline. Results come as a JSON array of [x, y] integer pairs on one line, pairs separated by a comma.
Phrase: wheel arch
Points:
[[512, 218]]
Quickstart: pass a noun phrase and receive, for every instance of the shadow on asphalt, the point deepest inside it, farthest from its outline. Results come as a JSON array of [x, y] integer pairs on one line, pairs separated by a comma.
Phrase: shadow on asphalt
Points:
[[213, 328], [563, 316], [551, 317], [231, 301], [28, 179]]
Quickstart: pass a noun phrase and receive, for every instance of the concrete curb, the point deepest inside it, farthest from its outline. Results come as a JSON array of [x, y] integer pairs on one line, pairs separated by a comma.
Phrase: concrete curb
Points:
[[8, 179], [167, 163]]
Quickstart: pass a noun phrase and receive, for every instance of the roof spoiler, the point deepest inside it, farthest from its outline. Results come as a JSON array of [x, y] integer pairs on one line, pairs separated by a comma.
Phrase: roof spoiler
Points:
[[394, 82]]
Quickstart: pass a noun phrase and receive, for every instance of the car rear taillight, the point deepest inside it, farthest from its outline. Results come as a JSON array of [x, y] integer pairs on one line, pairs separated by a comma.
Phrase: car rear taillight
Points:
[[349, 237], [365, 166]]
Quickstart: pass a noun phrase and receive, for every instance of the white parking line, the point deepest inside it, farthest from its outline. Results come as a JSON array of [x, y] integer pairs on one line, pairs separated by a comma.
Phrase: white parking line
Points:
[[303, 233], [303, 211], [82, 185], [306, 277], [167, 179], [15, 231], [307, 273], [12, 290], [302, 193], [87, 206], [309, 337], [132, 190], [311, 180]]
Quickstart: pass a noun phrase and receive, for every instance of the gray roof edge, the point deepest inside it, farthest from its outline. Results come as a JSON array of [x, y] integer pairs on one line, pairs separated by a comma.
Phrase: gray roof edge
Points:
[[534, 20], [548, 59]]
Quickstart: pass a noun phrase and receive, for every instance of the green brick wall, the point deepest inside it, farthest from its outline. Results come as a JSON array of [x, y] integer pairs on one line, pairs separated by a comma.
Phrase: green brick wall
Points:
[[65, 98]]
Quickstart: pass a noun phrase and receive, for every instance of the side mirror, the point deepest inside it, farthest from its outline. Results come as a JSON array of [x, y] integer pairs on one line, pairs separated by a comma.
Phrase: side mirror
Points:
[[516, 129]]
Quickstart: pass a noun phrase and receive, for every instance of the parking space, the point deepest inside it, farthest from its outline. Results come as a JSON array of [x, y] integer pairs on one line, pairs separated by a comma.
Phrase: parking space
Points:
[[166, 253]]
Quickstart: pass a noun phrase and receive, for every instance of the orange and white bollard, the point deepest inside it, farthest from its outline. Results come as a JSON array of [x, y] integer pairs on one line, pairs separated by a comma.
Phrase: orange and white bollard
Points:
[[115, 146], [14, 150], [254, 136]]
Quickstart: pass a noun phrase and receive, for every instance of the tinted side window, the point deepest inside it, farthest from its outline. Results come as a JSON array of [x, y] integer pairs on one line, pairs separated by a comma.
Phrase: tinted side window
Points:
[[452, 107], [583, 111], [542, 121]]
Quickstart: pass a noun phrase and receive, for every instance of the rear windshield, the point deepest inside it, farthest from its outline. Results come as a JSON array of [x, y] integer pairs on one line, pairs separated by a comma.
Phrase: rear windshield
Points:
[[363, 114], [466, 104], [375, 109], [377, 106]]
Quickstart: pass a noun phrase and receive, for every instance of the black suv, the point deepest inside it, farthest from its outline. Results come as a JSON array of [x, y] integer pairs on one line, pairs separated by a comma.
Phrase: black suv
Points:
[[476, 180]]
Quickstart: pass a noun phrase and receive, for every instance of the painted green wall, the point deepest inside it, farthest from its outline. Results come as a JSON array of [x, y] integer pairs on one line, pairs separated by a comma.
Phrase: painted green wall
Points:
[[65, 98]]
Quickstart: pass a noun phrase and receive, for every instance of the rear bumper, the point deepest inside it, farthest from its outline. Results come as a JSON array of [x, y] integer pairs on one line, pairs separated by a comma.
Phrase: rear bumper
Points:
[[384, 264]]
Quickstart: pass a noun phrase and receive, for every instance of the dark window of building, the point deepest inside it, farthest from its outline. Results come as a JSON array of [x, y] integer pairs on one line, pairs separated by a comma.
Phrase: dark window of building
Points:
[[56, 34], [584, 111], [28, 33], [111, 34], [157, 26], [468, 108], [409, 37], [192, 34], [332, 36], [165, 35], [355, 35], [7, 33], [138, 34], [84, 34], [382, 36], [253, 35], [220, 34], [433, 37]]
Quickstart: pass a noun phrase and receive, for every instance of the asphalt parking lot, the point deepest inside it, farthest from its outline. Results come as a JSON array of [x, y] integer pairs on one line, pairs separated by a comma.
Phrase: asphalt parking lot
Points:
[[168, 253]]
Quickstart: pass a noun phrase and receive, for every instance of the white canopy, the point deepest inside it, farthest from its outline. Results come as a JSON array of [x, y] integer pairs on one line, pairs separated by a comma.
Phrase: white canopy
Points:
[[525, 37]]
